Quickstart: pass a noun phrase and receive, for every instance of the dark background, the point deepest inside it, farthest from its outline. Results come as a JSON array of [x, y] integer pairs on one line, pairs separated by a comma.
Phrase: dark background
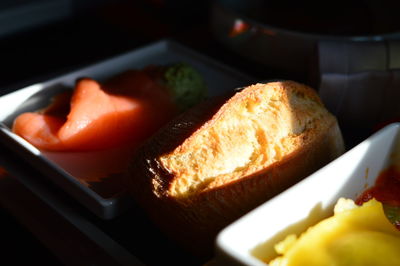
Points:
[[86, 32], [94, 30]]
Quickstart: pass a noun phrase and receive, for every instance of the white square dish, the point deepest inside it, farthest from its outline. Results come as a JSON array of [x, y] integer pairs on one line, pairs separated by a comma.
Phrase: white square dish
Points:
[[250, 240], [58, 167]]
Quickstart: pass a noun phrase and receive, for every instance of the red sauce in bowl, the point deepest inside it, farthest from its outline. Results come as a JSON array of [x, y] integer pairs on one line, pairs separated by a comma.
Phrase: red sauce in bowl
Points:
[[386, 190]]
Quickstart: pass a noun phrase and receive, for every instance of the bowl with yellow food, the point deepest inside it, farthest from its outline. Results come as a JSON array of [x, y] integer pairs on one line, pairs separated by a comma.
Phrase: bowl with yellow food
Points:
[[346, 213]]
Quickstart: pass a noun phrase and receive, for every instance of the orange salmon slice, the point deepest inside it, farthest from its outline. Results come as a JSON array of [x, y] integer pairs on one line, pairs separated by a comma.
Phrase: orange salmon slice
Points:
[[125, 109]]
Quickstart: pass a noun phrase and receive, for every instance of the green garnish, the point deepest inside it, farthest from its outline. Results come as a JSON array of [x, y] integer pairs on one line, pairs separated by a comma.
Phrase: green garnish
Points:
[[392, 213], [186, 85]]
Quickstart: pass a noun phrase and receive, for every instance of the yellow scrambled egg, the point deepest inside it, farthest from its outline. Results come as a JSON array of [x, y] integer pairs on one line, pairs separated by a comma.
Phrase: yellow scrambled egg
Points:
[[353, 236]]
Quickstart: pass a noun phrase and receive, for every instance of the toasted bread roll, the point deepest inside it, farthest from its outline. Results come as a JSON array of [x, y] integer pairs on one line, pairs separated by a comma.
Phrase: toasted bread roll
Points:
[[221, 159]]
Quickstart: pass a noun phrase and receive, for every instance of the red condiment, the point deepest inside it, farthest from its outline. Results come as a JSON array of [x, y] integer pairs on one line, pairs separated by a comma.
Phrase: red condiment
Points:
[[385, 190]]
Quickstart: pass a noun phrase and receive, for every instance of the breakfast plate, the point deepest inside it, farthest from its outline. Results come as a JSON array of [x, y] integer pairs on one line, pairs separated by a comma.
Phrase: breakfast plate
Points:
[[106, 197]]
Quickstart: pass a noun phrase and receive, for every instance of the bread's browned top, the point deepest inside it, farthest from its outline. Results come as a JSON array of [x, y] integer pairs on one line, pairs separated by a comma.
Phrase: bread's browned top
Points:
[[255, 128]]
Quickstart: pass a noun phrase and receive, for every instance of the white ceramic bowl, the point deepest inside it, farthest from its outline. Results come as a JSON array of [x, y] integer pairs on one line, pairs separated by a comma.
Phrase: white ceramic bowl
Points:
[[251, 238]]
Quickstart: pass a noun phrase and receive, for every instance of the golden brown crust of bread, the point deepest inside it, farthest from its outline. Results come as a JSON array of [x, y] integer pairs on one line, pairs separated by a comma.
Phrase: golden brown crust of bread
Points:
[[194, 216]]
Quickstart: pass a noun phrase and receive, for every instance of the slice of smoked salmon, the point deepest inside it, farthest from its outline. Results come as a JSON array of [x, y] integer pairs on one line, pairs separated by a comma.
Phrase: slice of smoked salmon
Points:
[[126, 109]]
